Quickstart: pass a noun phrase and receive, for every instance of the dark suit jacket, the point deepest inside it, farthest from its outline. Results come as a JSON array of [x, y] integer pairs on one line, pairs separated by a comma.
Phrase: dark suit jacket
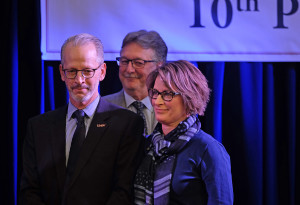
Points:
[[106, 165]]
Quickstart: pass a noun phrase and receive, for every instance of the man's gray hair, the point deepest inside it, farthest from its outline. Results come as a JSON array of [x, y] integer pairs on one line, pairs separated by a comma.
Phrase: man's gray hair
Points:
[[148, 39], [82, 39]]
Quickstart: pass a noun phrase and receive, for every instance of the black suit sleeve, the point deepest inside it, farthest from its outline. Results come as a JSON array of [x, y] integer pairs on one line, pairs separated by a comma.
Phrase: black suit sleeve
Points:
[[129, 155], [30, 190]]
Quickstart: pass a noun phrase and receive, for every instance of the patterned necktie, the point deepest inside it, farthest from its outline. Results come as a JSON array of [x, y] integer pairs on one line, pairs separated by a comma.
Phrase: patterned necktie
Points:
[[139, 106], [77, 141]]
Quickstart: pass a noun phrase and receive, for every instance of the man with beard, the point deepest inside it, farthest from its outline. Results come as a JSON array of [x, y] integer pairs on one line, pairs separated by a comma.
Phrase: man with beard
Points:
[[86, 152]]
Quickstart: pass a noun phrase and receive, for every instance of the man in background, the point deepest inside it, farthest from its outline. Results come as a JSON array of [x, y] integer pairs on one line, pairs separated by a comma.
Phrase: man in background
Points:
[[87, 151], [141, 52]]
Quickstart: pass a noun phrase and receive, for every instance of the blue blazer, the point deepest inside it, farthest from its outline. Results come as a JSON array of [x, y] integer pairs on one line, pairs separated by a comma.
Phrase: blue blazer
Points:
[[202, 174], [106, 165]]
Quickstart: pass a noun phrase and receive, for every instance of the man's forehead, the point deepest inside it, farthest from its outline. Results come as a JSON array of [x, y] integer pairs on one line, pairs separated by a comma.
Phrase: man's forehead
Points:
[[136, 49]]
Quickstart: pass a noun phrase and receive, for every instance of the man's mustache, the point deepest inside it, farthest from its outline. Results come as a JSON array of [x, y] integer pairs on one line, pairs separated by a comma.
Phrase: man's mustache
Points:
[[131, 76], [80, 87]]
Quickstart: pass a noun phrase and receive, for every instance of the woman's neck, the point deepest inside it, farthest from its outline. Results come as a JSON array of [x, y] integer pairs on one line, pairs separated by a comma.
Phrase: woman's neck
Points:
[[167, 128]]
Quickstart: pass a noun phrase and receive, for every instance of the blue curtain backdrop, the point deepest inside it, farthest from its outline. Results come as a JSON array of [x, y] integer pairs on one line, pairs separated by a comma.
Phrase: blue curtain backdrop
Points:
[[254, 110]]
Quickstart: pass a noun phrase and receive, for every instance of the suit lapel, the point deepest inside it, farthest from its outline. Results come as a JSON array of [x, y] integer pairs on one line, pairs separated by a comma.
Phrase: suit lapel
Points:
[[122, 99], [119, 99], [58, 142], [96, 131]]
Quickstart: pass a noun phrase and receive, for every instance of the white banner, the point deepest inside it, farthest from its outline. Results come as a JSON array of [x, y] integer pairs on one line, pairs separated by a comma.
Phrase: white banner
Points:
[[195, 30]]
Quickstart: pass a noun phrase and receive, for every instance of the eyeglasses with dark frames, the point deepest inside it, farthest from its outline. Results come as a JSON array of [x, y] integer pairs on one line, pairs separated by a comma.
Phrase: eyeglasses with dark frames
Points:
[[136, 63], [86, 73], [166, 95]]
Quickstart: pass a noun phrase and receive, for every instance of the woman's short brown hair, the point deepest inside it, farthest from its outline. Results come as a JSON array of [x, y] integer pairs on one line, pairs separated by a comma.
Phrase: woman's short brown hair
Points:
[[183, 77]]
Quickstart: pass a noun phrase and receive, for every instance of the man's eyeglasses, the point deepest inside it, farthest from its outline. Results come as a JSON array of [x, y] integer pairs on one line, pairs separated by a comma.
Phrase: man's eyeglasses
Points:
[[86, 73], [136, 63], [166, 95]]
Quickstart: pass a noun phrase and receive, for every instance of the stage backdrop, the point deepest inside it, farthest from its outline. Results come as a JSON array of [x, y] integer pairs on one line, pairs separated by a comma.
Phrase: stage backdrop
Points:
[[195, 30]]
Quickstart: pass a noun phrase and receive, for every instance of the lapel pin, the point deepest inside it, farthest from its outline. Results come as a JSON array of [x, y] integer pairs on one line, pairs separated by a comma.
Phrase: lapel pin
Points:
[[101, 125]]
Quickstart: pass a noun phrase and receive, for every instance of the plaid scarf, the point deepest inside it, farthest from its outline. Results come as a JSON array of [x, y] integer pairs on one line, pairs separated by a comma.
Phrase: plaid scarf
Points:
[[153, 178]]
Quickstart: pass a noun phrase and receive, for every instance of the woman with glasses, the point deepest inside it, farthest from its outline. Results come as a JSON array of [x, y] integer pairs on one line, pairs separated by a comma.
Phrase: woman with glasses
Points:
[[183, 164]]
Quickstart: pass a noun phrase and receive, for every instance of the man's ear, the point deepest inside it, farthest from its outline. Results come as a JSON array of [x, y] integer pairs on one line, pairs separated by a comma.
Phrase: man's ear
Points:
[[102, 71], [62, 73]]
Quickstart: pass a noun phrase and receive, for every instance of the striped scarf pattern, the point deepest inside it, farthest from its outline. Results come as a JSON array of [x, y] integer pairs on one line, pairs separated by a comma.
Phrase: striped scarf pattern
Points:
[[153, 178]]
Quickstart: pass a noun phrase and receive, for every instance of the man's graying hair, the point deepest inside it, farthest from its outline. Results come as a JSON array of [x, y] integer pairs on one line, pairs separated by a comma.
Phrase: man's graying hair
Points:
[[148, 39], [82, 39]]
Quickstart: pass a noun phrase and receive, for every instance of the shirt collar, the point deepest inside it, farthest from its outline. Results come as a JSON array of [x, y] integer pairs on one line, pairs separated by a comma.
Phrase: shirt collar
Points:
[[88, 110], [146, 101]]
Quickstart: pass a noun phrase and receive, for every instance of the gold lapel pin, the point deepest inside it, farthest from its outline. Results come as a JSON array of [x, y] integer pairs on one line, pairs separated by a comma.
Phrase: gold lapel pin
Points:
[[101, 125]]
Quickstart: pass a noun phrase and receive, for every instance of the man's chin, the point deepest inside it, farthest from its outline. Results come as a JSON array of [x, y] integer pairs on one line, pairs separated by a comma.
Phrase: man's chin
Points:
[[131, 85], [79, 97], [130, 80]]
